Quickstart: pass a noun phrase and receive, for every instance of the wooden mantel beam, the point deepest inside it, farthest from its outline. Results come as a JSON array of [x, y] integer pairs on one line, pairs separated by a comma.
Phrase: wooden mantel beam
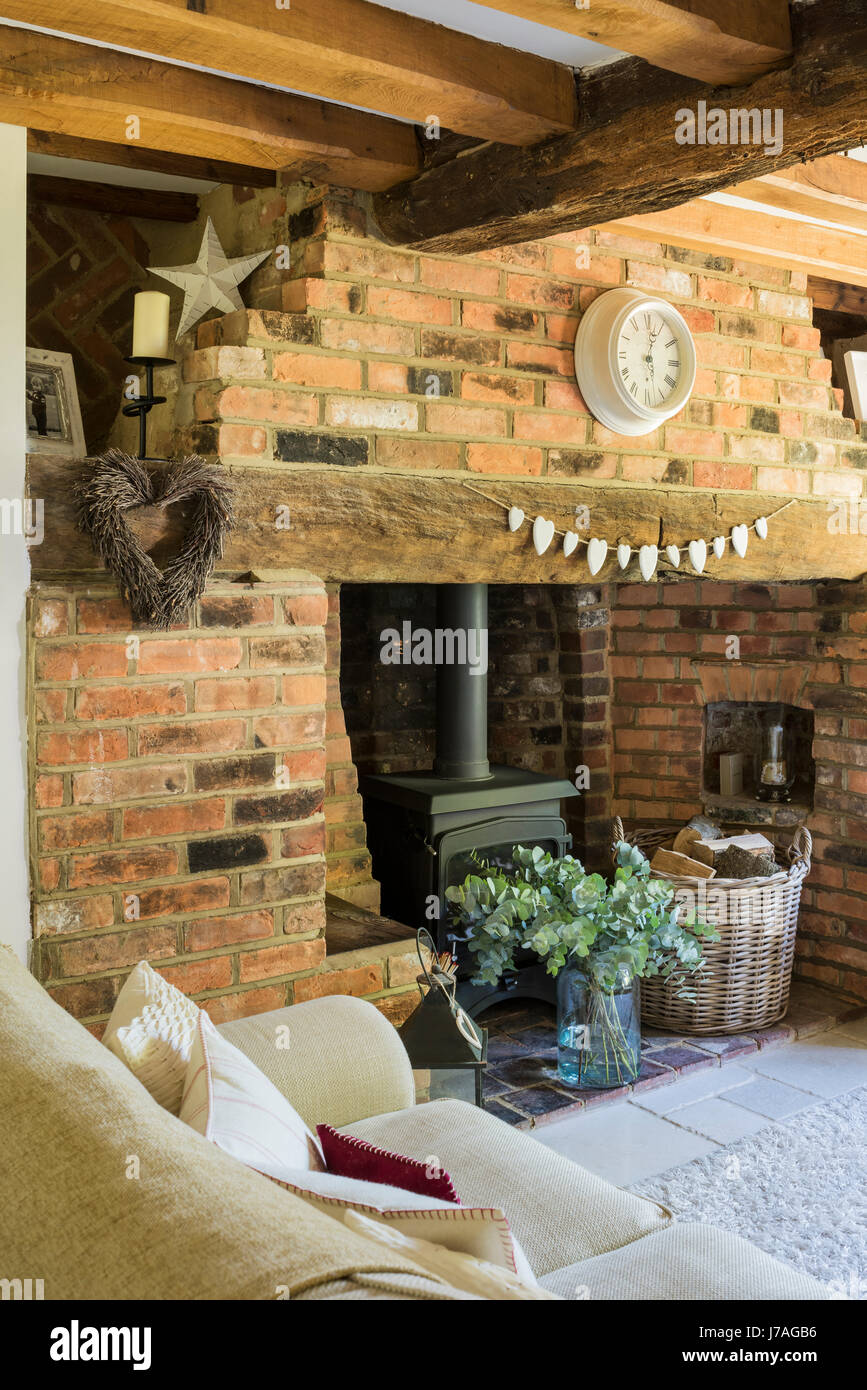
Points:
[[340, 50], [79, 90], [718, 41], [359, 525], [626, 158]]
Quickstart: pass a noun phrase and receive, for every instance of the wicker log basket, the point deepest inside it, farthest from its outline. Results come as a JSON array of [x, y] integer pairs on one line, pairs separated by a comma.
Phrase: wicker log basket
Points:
[[746, 981]]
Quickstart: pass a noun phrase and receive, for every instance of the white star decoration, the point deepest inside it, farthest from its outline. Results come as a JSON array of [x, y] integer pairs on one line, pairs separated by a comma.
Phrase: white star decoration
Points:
[[211, 281]]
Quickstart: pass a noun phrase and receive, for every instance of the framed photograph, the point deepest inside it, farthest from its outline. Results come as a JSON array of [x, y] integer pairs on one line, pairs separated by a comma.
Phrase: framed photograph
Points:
[[856, 373], [51, 401]]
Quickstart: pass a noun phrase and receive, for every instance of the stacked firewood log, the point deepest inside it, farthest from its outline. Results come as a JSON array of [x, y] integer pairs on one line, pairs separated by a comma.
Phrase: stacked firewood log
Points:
[[702, 850]]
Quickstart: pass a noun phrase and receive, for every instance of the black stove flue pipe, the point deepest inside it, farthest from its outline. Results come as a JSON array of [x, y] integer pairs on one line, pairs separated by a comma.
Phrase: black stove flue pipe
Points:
[[462, 689]]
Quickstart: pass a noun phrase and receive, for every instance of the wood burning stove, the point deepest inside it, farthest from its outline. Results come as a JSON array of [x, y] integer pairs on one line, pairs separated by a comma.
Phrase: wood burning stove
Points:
[[425, 829]]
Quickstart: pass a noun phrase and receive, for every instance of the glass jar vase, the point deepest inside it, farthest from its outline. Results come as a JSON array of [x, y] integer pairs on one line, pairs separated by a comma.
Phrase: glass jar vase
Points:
[[598, 1031]]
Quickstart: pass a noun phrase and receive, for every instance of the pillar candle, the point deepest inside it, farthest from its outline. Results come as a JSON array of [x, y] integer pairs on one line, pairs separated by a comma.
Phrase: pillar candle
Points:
[[731, 774], [150, 329]]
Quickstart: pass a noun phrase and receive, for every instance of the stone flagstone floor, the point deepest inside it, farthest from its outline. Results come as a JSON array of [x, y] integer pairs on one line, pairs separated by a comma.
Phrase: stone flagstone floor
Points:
[[523, 1088]]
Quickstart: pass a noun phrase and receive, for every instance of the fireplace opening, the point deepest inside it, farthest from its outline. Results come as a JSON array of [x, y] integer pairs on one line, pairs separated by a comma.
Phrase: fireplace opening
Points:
[[457, 711], [757, 764]]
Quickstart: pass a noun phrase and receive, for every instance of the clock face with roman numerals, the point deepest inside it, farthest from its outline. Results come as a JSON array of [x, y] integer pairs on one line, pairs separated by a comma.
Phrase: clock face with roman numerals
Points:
[[635, 360], [649, 358]]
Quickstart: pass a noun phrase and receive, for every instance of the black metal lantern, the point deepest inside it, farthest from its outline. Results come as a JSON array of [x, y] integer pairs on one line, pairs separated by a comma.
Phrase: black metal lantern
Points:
[[447, 1050]]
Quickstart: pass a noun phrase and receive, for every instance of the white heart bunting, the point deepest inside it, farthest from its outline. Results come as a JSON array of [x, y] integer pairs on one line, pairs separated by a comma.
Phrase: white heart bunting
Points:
[[698, 555], [543, 534], [740, 539], [596, 552], [648, 556]]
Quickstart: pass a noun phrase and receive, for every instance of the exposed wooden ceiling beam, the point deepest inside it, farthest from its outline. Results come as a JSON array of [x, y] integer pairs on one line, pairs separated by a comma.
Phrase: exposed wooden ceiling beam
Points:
[[341, 50], [718, 41], [159, 204], [755, 236], [132, 156], [836, 296], [794, 190], [75, 89], [836, 174], [625, 159]]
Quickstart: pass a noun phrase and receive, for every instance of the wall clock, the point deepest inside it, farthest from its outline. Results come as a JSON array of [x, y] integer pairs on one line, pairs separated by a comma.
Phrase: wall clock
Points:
[[634, 360]]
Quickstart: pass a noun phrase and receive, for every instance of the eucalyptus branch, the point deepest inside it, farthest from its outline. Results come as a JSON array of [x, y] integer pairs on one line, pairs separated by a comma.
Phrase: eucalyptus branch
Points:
[[553, 908]]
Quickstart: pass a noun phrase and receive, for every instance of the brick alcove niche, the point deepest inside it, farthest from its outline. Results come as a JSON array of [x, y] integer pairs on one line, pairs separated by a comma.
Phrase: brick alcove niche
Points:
[[738, 696], [211, 772]]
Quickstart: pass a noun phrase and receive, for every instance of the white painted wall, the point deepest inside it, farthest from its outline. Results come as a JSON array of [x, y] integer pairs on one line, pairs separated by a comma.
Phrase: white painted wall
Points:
[[14, 564], [511, 30]]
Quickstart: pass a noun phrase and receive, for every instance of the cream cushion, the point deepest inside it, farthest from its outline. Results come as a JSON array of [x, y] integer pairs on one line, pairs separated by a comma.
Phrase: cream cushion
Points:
[[151, 1030], [229, 1101], [557, 1210], [483, 1232], [337, 1059], [194, 1224], [459, 1269], [684, 1263]]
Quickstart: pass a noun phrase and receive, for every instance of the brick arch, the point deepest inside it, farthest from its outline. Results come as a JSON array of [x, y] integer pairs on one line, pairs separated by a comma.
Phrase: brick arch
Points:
[[751, 682]]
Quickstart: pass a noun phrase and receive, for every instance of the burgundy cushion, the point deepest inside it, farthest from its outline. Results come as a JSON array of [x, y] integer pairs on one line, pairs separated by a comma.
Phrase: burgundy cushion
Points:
[[355, 1158]]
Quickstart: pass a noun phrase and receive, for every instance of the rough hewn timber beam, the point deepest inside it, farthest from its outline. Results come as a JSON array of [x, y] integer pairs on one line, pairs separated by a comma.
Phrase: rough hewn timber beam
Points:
[[624, 159], [847, 178], [723, 41], [131, 156], [77, 89], [165, 205], [358, 525], [837, 296], [341, 51]]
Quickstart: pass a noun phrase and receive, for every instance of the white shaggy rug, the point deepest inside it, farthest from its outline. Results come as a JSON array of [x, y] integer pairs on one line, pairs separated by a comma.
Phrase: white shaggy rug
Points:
[[797, 1189]]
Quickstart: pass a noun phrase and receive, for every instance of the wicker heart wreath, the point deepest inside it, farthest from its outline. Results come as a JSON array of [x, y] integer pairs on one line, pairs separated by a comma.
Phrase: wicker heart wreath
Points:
[[115, 483]]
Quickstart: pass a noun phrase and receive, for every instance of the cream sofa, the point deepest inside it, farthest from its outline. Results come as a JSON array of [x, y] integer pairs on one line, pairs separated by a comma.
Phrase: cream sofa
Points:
[[106, 1195]]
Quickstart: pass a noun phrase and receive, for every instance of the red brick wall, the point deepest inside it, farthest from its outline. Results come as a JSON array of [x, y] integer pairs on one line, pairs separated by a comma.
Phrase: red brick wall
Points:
[[657, 631], [584, 636], [465, 365], [348, 866], [177, 809]]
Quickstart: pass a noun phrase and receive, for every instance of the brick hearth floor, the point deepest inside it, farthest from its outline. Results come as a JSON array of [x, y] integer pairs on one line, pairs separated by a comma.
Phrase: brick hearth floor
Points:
[[693, 1094]]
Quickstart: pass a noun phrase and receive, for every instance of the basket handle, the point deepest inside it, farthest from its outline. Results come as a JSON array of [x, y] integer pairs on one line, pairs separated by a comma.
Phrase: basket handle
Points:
[[801, 848]]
